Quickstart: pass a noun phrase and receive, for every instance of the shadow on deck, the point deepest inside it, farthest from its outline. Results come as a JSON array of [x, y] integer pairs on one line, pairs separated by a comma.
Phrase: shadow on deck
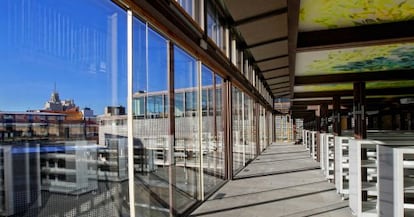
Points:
[[283, 181]]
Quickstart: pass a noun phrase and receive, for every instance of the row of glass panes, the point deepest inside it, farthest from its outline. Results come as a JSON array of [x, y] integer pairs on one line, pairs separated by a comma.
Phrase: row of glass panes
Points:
[[86, 48], [198, 149], [182, 165], [220, 35], [249, 136], [155, 104]]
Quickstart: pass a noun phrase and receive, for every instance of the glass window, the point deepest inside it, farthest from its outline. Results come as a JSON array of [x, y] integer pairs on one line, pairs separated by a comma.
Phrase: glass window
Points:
[[66, 64], [249, 128], [212, 145], [215, 29], [211, 22], [205, 97], [239, 59], [187, 150], [219, 96], [155, 106], [151, 135], [139, 106], [219, 125], [210, 102], [188, 6], [262, 128], [237, 122]]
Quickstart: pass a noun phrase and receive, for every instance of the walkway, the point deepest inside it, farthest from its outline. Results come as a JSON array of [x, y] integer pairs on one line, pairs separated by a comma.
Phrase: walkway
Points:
[[283, 181]]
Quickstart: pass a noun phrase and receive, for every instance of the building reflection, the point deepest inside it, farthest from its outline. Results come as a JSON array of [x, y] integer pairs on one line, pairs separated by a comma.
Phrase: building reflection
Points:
[[61, 156], [52, 165], [156, 154]]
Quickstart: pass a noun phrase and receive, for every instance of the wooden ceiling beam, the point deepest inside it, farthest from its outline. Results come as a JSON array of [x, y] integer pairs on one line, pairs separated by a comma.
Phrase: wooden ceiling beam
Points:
[[280, 85], [293, 22], [260, 16], [280, 90], [368, 92], [354, 77], [355, 36]]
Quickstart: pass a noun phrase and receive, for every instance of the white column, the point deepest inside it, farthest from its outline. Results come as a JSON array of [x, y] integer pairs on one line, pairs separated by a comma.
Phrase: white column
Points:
[[200, 131], [130, 119]]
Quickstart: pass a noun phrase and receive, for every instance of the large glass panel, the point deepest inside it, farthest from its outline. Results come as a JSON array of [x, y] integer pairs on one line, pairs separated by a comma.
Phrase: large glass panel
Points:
[[211, 22], [62, 109], [150, 127], [215, 29], [188, 6], [187, 149], [268, 127], [255, 133], [237, 122], [213, 169], [220, 126], [239, 59], [262, 129], [194, 8], [249, 128]]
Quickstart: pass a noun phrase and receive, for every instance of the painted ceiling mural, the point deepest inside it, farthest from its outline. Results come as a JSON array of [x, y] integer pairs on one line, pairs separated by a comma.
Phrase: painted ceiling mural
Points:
[[349, 86], [332, 14], [359, 59]]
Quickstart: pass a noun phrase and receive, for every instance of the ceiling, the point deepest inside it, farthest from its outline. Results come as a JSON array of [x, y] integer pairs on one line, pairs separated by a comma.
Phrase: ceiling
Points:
[[264, 28], [312, 50]]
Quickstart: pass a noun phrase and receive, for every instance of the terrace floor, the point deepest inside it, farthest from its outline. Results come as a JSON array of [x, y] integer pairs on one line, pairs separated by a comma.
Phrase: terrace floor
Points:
[[282, 181]]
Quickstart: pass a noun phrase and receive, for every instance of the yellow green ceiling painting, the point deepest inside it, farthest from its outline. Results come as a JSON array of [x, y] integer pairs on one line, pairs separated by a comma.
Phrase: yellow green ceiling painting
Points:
[[332, 14], [359, 59], [349, 86]]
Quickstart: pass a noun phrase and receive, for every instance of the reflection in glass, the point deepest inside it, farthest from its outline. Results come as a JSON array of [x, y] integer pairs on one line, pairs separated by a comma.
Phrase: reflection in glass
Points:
[[262, 128], [150, 126], [188, 6], [170, 179], [269, 128], [63, 154], [238, 136], [214, 26], [250, 129], [212, 132], [187, 147], [187, 151], [219, 126]]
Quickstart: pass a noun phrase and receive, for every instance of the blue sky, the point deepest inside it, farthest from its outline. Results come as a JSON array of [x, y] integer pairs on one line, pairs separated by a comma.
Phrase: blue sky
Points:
[[57, 42], [79, 45]]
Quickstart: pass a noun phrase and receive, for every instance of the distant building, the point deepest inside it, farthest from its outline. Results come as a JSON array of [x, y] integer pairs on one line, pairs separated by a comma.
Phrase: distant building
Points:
[[55, 104], [115, 110], [17, 126], [21, 126], [68, 107], [87, 113]]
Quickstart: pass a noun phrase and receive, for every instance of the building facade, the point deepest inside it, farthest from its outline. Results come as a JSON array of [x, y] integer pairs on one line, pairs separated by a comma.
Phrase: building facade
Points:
[[175, 119]]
